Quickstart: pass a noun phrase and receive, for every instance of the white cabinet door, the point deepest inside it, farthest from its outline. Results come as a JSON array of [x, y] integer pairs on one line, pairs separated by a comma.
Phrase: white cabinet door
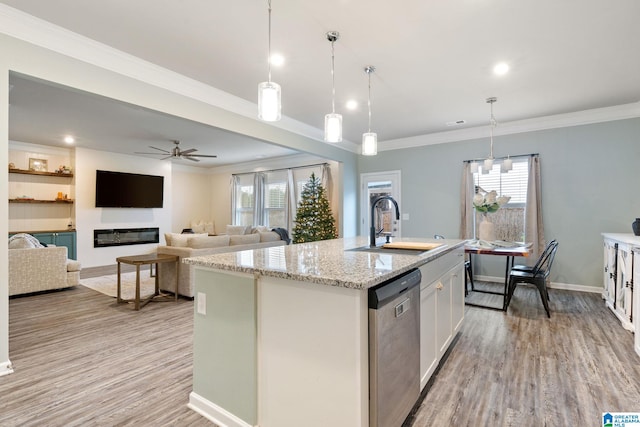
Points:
[[457, 297], [636, 300], [428, 320], [443, 304], [609, 270], [623, 291]]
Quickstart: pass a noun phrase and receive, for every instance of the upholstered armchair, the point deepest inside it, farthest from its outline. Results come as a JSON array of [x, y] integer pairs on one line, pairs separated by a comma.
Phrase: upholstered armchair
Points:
[[41, 269]]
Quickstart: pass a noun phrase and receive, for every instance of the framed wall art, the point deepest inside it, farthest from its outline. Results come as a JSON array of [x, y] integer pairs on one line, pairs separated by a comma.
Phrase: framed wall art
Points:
[[38, 165]]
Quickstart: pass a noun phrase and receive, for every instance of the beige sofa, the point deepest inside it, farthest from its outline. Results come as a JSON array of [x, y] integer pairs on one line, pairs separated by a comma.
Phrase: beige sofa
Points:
[[41, 269], [192, 245]]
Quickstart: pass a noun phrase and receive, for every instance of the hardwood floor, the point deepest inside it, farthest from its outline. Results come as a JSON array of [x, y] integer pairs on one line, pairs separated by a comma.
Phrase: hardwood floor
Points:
[[523, 369], [80, 360]]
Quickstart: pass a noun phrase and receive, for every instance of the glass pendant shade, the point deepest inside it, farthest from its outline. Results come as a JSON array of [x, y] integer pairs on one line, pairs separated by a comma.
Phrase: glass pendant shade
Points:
[[369, 144], [473, 167], [269, 107], [507, 165], [333, 127], [488, 164]]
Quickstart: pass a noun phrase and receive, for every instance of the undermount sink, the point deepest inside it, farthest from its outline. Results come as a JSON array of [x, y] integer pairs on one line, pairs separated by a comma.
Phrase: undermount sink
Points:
[[389, 251]]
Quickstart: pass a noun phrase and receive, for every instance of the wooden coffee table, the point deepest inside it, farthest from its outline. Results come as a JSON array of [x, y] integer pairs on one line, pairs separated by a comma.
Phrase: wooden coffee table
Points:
[[147, 259]]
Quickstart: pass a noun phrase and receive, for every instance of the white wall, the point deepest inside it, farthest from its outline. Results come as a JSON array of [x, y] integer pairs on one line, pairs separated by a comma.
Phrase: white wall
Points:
[[191, 196], [89, 218]]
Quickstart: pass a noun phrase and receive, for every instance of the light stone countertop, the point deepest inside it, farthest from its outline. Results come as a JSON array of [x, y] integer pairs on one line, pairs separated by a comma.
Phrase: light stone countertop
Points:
[[326, 262]]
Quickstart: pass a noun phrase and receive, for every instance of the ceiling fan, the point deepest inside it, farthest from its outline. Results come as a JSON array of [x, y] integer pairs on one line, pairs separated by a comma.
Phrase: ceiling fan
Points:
[[177, 153]]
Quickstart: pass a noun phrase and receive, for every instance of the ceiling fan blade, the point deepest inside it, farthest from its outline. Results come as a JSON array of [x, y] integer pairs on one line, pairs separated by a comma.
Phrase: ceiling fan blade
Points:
[[159, 149], [153, 154], [203, 155], [190, 158], [170, 156], [190, 150]]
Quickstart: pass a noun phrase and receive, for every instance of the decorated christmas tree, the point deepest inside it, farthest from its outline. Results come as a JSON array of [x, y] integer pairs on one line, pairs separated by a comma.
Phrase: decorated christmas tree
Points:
[[314, 220]]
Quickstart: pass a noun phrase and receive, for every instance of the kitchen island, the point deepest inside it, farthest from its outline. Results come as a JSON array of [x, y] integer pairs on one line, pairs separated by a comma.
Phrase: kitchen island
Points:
[[281, 333]]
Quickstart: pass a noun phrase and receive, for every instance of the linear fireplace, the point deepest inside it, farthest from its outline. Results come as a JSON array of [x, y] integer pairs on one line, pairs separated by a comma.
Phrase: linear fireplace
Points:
[[125, 236]]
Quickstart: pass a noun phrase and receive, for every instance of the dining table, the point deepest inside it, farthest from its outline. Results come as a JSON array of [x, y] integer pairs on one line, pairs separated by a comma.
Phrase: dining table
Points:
[[509, 251]]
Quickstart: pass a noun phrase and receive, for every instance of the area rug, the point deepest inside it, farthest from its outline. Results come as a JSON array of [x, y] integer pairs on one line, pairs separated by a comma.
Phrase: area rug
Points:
[[108, 284]]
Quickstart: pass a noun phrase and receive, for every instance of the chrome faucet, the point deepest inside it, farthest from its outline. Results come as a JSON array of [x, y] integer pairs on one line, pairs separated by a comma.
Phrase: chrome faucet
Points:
[[373, 232]]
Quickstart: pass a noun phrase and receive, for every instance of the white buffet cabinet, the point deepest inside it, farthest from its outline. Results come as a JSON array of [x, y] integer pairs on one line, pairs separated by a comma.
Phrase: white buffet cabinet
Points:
[[619, 276], [636, 301], [281, 334]]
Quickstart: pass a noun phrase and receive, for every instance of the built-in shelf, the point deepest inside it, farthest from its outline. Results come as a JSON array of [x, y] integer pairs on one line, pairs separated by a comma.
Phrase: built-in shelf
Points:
[[62, 201], [28, 172]]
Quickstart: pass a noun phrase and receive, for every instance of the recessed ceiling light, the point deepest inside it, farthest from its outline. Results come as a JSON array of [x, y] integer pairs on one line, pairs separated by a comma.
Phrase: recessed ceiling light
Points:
[[69, 139], [501, 69], [277, 60], [351, 104]]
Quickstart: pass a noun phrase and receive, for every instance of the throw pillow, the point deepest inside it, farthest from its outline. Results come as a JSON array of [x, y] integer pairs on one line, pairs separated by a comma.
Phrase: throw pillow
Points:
[[203, 242], [246, 239], [209, 227], [197, 226], [237, 229], [259, 229]]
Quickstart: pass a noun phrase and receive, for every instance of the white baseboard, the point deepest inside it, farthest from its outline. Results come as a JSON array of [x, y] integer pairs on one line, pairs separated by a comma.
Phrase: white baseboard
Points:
[[214, 413], [6, 368], [552, 285]]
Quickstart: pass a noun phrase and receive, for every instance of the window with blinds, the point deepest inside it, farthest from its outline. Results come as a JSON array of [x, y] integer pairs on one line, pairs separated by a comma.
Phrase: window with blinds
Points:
[[512, 183], [275, 200], [509, 220], [275, 208], [245, 199]]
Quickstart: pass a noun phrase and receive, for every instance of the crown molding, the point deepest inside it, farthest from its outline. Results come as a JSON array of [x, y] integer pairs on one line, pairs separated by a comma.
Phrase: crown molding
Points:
[[22, 26], [578, 118], [292, 161]]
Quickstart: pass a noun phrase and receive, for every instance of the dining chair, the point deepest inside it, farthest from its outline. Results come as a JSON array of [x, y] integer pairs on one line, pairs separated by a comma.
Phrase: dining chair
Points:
[[537, 277], [522, 267], [468, 278]]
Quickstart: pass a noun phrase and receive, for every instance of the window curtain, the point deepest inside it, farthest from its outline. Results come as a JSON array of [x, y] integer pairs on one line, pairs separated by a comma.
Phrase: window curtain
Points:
[[259, 182], [534, 229], [235, 180], [292, 203], [466, 198]]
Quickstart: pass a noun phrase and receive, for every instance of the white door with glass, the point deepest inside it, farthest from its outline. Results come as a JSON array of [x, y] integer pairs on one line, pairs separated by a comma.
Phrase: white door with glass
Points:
[[374, 185]]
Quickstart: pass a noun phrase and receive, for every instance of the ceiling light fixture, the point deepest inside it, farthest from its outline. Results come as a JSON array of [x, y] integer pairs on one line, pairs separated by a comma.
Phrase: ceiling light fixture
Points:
[[69, 139], [369, 139], [269, 95], [488, 163], [333, 121], [351, 104], [501, 69]]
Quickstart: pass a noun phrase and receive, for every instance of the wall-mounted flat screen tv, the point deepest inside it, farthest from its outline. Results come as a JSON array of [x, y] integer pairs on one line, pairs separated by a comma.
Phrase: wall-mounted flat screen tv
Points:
[[128, 190]]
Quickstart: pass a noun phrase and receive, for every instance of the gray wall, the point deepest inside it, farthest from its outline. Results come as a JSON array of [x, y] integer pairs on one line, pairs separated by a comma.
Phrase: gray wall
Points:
[[589, 176]]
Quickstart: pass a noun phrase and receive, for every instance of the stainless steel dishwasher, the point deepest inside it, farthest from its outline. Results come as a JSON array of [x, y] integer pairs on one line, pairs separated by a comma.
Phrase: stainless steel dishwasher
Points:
[[394, 349]]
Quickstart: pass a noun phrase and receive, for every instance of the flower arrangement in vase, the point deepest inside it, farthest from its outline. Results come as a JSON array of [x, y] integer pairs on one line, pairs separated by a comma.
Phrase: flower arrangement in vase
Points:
[[486, 203]]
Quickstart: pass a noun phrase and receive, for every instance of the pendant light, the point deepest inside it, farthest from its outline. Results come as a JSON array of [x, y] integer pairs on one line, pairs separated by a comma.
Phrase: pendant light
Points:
[[333, 121], [369, 139], [488, 163], [507, 165], [269, 106]]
